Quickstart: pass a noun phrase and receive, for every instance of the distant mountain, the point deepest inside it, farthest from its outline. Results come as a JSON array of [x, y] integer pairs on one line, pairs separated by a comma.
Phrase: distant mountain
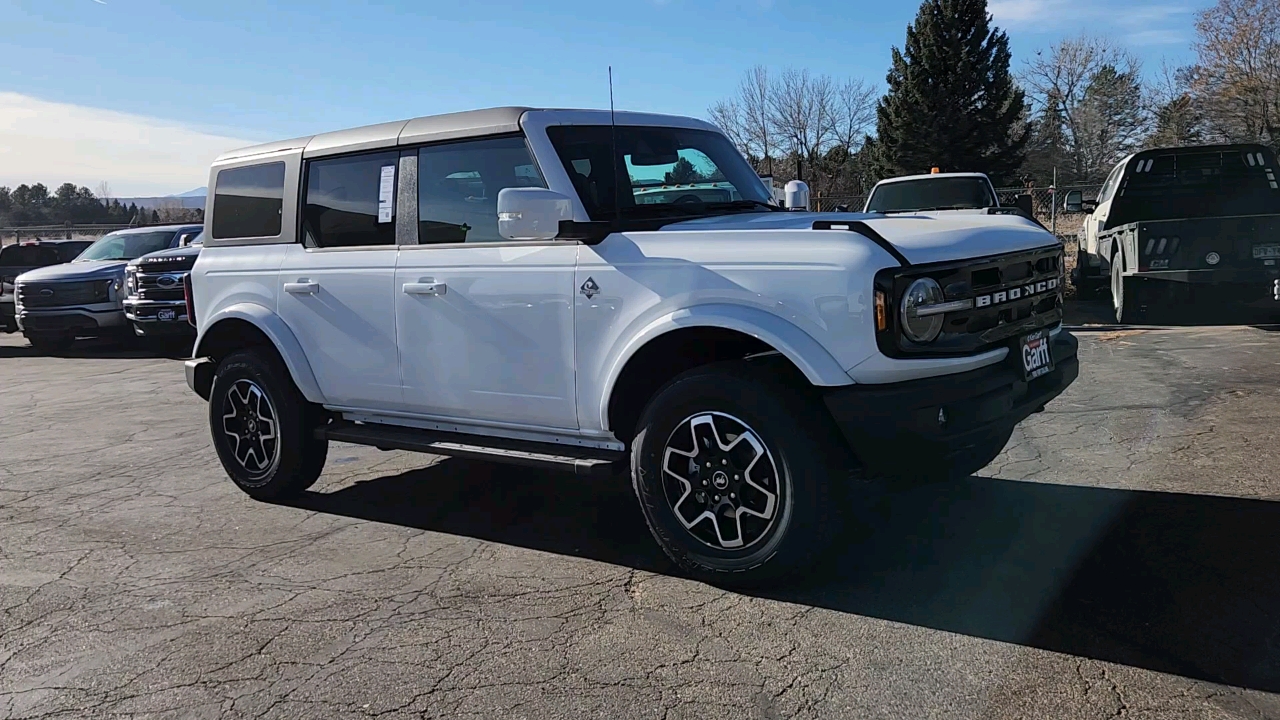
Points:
[[198, 192]]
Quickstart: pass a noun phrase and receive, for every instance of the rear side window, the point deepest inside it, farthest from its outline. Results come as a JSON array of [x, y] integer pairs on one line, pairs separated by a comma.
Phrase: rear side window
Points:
[[28, 256], [248, 201], [350, 201]]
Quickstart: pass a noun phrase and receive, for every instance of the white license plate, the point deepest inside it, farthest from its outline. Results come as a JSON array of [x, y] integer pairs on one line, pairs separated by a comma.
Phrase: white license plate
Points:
[[1037, 360], [1266, 251], [166, 315]]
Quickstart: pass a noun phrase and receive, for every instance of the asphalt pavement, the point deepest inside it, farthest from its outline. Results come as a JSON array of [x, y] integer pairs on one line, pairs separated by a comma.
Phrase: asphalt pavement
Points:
[[1120, 559]]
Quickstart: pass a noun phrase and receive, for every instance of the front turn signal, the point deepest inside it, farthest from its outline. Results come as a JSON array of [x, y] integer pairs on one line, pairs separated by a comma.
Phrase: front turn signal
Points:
[[882, 313]]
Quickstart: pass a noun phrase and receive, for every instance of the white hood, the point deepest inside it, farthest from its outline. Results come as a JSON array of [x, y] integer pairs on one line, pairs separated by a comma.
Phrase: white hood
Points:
[[922, 238]]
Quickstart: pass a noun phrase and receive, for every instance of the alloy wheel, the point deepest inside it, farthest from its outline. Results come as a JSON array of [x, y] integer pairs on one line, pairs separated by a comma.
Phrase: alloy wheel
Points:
[[721, 481], [249, 421]]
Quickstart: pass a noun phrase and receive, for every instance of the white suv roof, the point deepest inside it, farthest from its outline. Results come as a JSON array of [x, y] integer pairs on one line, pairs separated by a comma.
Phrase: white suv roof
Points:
[[455, 126]]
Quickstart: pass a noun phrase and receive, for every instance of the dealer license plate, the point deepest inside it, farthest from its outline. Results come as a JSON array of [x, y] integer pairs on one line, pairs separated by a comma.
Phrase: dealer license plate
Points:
[[1034, 352], [166, 315], [1266, 252]]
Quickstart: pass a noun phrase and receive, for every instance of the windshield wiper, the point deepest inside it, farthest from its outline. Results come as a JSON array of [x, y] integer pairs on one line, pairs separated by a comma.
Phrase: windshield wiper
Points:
[[936, 207], [745, 204]]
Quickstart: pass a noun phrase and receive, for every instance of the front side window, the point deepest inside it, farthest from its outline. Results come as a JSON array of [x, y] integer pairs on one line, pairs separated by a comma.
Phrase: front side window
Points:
[[248, 201], [944, 193], [350, 201], [665, 172], [458, 187], [127, 246]]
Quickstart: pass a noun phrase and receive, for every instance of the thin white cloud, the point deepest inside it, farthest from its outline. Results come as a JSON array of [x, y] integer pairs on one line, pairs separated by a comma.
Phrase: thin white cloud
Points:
[[1152, 23], [53, 143]]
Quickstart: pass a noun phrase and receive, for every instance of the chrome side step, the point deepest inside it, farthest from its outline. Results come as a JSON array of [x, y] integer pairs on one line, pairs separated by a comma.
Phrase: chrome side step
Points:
[[591, 462]]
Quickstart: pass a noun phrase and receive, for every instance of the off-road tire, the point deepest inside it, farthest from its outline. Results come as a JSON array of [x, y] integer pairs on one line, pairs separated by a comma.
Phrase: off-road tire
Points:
[[290, 464], [812, 462]]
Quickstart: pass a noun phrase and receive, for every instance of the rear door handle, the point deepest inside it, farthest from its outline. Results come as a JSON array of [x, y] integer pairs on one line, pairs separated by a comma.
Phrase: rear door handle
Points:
[[426, 287], [302, 288]]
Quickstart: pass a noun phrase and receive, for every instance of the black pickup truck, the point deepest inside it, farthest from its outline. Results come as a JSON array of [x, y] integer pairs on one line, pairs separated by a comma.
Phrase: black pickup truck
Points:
[[1176, 226], [30, 255]]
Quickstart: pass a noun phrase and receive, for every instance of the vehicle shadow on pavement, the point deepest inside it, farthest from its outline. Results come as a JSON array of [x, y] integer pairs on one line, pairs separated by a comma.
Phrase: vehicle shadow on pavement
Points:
[[1098, 316], [1174, 583], [103, 349]]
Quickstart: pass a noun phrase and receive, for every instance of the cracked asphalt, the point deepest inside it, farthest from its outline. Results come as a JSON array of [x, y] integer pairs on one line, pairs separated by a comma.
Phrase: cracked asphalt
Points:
[[1120, 559]]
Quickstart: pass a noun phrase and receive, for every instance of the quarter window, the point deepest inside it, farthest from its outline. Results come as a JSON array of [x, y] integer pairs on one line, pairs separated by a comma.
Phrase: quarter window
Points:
[[458, 187], [247, 201], [350, 201]]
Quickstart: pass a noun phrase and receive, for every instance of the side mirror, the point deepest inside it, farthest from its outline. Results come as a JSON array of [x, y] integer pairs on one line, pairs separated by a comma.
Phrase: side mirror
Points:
[[1024, 203], [532, 213], [1074, 202]]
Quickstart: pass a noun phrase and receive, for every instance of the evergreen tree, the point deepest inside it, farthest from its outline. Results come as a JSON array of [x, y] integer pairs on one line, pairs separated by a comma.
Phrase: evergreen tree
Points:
[[681, 173], [951, 103], [1049, 148], [1177, 123]]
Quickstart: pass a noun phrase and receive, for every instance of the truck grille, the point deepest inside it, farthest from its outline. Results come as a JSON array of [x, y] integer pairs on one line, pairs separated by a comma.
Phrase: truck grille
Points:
[[1011, 295], [161, 286], [38, 295]]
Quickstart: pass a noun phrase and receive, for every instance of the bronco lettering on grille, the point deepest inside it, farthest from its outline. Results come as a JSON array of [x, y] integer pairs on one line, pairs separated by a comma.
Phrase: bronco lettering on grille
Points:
[[1017, 293]]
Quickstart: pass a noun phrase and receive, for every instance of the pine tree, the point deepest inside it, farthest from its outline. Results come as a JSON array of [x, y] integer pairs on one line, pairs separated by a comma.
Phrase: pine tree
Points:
[[951, 102], [1049, 147], [1177, 123]]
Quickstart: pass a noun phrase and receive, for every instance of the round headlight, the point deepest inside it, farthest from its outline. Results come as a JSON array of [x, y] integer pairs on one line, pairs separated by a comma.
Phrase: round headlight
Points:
[[924, 291]]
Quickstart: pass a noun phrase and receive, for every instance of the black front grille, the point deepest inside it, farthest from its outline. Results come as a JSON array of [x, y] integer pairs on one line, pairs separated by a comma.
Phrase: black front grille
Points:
[[163, 286], [37, 295], [1011, 295]]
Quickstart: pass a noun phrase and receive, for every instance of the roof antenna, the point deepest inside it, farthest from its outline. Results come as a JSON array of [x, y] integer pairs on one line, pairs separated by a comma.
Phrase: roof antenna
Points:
[[613, 131]]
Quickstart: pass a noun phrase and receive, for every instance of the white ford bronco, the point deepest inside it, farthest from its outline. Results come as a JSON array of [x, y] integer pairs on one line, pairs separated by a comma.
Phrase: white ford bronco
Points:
[[507, 284]]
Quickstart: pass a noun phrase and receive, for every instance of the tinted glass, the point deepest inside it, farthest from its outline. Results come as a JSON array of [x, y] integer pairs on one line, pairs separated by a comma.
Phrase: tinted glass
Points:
[[1197, 183], [931, 194], [68, 251], [248, 201], [127, 246], [343, 198], [29, 256], [458, 187], [670, 172]]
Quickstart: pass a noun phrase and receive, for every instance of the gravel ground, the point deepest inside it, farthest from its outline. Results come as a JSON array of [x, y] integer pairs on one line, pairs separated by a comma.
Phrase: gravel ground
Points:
[[1118, 560]]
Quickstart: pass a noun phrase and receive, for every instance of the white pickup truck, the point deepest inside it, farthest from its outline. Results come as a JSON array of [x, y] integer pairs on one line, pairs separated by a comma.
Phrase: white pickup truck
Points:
[[507, 284]]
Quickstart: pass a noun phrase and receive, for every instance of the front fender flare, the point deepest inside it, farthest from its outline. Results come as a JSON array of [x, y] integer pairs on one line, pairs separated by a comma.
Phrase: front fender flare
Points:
[[813, 360], [275, 328]]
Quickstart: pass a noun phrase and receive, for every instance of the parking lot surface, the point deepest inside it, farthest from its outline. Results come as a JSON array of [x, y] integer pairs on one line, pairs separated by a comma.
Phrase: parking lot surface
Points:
[[1121, 559]]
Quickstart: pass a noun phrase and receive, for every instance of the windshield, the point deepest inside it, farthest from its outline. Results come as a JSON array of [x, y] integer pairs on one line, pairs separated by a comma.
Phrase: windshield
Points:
[[1196, 184], [127, 246], [956, 193], [670, 172]]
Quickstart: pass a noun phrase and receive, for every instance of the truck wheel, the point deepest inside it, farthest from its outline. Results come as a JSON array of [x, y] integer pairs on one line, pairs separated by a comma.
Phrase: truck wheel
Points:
[[50, 343], [1128, 309], [737, 476], [263, 428]]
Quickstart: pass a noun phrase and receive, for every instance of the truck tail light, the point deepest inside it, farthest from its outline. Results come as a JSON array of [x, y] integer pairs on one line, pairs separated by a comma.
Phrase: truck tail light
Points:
[[191, 303]]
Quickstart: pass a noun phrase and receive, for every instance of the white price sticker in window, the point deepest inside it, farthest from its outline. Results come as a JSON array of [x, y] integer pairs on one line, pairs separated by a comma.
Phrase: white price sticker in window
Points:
[[386, 193]]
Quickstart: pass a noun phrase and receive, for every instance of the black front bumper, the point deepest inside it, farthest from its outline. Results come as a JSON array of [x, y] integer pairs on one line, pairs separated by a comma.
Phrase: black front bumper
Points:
[[950, 421]]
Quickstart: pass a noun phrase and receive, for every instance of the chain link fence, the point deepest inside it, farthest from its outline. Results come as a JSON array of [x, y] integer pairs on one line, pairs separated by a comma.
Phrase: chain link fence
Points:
[[11, 235]]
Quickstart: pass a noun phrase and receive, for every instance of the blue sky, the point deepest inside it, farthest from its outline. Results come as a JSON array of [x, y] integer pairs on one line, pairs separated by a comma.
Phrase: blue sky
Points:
[[231, 71]]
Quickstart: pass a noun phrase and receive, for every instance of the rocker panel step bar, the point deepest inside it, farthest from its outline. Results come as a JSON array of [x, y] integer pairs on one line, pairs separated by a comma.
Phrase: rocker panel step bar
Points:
[[590, 462]]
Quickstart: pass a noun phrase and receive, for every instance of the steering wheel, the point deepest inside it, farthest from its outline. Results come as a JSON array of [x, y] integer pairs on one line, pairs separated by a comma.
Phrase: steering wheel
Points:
[[687, 200]]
